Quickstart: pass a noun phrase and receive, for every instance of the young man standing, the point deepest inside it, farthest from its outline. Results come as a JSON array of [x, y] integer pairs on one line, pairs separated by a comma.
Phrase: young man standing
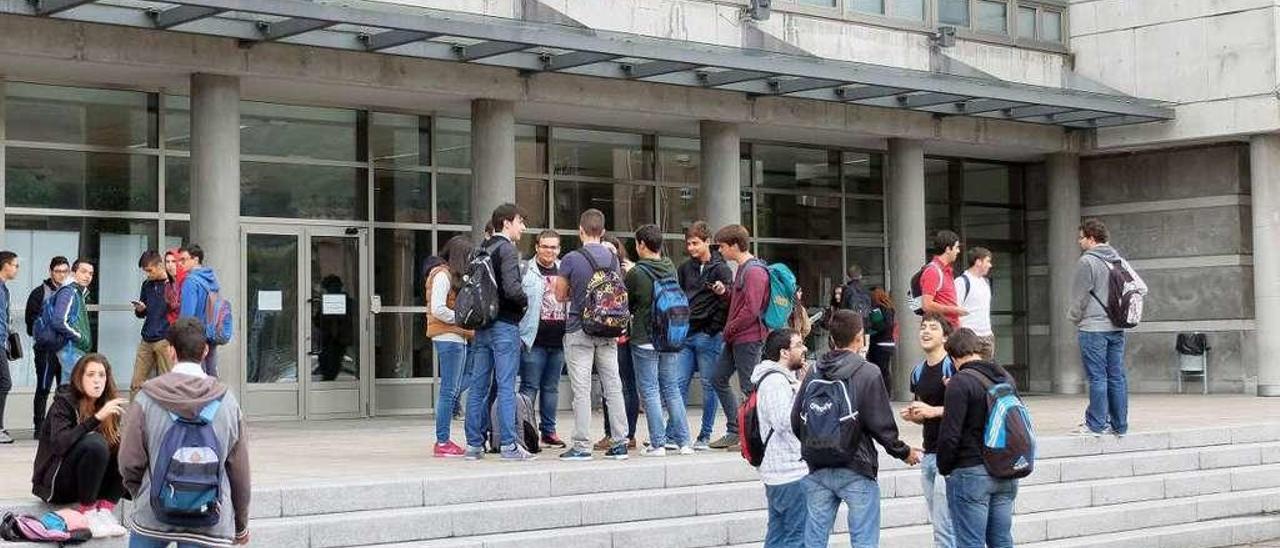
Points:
[[744, 329], [201, 281], [1101, 342], [72, 315], [583, 351], [153, 350], [973, 292], [929, 384], [853, 482], [8, 271], [48, 370], [657, 372], [497, 345], [981, 506], [707, 315], [781, 469], [937, 281], [544, 357]]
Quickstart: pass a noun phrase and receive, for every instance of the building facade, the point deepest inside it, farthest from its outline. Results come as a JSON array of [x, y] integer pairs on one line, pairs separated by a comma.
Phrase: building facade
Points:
[[319, 158]]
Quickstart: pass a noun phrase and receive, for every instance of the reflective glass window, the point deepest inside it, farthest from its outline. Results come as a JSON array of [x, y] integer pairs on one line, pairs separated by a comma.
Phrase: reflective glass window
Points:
[[453, 142], [591, 153], [679, 160], [909, 9], [864, 216], [677, 208], [80, 116], [302, 191], [953, 12], [625, 207], [818, 268], [399, 139], [80, 180], [810, 217], [453, 199], [992, 16], [531, 196], [400, 351], [863, 173], [270, 129], [398, 259], [1026, 23], [1051, 26], [993, 183], [867, 6], [791, 167], [177, 184], [401, 196], [531, 149]]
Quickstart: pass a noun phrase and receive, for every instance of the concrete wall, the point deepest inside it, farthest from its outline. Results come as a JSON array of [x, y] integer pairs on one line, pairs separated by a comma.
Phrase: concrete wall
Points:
[[1181, 216]]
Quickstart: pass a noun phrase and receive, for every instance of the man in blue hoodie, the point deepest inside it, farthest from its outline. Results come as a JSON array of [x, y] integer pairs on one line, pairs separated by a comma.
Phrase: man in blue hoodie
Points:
[[153, 350], [201, 282]]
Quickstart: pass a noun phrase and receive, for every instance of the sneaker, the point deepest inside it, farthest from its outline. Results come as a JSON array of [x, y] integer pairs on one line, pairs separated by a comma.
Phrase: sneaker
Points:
[[701, 445], [474, 453], [671, 446], [653, 452], [686, 450], [575, 454], [725, 442], [1085, 431], [515, 453], [5, 437], [552, 440], [617, 452], [448, 449], [603, 445], [110, 525]]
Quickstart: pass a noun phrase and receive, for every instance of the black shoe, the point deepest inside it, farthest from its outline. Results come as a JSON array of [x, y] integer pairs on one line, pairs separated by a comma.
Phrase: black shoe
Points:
[[5, 437], [617, 452]]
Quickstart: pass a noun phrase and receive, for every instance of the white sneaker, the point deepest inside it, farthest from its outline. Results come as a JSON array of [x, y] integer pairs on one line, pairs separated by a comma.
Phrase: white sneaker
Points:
[[104, 522], [653, 452], [687, 450]]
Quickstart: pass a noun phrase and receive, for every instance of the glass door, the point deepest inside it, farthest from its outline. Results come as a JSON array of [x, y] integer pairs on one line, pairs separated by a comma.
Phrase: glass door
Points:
[[334, 330]]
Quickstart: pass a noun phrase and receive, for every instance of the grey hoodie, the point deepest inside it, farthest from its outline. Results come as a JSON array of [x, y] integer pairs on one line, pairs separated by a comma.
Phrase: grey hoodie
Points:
[[774, 396], [1092, 275]]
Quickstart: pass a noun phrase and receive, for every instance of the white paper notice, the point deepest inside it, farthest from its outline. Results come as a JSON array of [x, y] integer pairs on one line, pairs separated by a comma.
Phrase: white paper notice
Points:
[[269, 301], [333, 304]]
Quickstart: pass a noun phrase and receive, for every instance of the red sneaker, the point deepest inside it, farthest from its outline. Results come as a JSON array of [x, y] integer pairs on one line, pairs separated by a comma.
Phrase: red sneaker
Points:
[[448, 449]]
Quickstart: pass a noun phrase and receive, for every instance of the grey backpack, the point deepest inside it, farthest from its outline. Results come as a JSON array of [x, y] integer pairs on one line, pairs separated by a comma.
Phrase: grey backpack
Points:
[[527, 435]]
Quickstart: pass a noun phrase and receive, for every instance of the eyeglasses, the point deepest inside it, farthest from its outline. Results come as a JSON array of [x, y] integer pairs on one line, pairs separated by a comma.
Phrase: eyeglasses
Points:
[[61, 270]]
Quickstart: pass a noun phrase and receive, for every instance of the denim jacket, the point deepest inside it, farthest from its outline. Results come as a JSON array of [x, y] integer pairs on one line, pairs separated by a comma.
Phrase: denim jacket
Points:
[[533, 283]]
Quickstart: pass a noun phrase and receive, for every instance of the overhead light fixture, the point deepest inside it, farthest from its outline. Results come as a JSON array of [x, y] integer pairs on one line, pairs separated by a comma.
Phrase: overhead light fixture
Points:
[[759, 10], [945, 37]]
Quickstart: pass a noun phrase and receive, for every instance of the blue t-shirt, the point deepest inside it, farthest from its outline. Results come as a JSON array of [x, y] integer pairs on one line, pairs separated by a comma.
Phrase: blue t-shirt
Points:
[[575, 268]]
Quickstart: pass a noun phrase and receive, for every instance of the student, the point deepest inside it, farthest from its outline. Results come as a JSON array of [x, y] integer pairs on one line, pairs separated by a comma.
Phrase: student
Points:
[[76, 460], [744, 330], [152, 357], [48, 370], [8, 271], [937, 281], [854, 480], [657, 371], [447, 339], [707, 315], [781, 469], [200, 282], [626, 369], [173, 289], [884, 340], [973, 292], [542, 331], [981, 506], [929, 384], [72, 315], [186, 391]]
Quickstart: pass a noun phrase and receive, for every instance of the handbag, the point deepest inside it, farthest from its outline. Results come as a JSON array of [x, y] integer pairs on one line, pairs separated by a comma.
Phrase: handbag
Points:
[[14, 347]]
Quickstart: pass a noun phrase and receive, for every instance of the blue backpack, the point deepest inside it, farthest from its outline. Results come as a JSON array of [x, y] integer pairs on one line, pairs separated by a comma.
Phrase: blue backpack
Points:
[[782, 293], [46, 337], [186, 480], [830, 432], [218, 327], [669, 318], [948, 369], [1008, 438]]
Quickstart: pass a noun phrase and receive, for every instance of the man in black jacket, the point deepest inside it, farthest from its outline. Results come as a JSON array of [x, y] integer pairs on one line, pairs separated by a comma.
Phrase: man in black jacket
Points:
[[707, 315], [497, 345], [981, 506], [48, 370], [152, 357], [855, 481]]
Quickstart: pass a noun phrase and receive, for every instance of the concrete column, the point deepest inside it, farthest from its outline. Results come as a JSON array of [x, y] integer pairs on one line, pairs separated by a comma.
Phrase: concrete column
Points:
[[493, 160], [906, 215], [215, 197], [4, 243], [1264, 169], [1064, 251], [720, 197]]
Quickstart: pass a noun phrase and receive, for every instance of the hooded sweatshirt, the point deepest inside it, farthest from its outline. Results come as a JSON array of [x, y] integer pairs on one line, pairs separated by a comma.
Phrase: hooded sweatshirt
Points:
[[639, 282], [1093, 279], [197, 286], [872, 403], [60, 431], [774, 395], [964, 416], [707, 311], [35, 303], [146, 423]]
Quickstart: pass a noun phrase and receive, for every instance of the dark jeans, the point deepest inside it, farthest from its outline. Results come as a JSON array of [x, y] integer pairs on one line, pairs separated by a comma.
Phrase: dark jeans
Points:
[[981, 508], [210, 363], [48, 377], [89, 473], [630, 397], [740, 358], [882, 356], [1103, 357], [6, 383], [540, 376]]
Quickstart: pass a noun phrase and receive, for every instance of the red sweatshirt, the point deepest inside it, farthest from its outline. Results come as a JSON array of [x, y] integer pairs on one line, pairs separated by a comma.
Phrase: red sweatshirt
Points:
[[747, 299]]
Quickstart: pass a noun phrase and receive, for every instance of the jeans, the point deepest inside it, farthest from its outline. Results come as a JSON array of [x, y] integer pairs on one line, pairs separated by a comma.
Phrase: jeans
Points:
[[6, 383], [497, 357], [453, 359], [48, 377], [742, 359], [657, 378], [540, 376], [581, 352], [630, 396], [935, 499], [788, 514], [824, 489], [210, 363], [138, 541], [1103, 356], [700, 354], [981, 508]]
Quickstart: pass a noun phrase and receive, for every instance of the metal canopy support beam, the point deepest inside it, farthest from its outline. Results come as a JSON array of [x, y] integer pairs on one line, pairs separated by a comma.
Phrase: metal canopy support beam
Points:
[[868, 92], [928, 99], [1077, 116], [50, 7], [393, 38], [1110, 121], [713, 79], [979, 106], [173, 17], [291, 27], [655, 68], [1019, 113], [574, 59], [475, 52], [783, 87]]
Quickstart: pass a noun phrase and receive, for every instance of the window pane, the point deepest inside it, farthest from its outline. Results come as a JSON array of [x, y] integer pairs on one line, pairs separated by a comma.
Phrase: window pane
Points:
[[863, 173], [680, 160], [78, 116], [310, 192], [790, 167], [909, 9], [401, 196], [177, 122], [80, 180], [867, 6], [625, 207], [953, 12], [113, 245], [400, 139], [400, 350], [1051, 26], [270, 129], [531, 149], [827, 3], [1026, 23], [398, 258], [678, 208], [817, 268], [177, 184], [864, 217], [590, 153], [992, 223], [453, 200], [531, 196], [176, 233], [799, 216], [272, 334], [990, 183], [993, 16], [871, 260], [453, 142]]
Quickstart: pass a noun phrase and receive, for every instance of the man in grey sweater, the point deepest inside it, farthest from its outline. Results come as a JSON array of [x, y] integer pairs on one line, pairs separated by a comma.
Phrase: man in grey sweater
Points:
[[1101, 341]]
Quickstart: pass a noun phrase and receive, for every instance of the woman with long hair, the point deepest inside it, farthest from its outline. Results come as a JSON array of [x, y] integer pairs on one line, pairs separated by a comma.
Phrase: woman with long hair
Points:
[[173, 288], [79, 444], [449, 341], [884, 332]]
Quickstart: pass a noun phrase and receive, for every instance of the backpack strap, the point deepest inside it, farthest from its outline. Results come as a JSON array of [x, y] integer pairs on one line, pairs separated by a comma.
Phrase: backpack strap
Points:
[[595, 267], [757, 385], [206, 415], [968, 285]]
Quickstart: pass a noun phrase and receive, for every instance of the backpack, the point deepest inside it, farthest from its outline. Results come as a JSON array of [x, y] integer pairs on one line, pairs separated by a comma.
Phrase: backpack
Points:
[[186, 477], [669, 318], [46, 338], [915, 300], [218, 326], [829, 418], [1124, 295], [948, 370], [782, 293], [527, 435], [604, 311], [476, 305], [1008, 438], [753, 445]]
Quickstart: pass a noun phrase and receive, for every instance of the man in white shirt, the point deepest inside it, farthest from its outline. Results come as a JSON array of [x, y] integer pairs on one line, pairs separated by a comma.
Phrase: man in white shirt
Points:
[[973, 292]]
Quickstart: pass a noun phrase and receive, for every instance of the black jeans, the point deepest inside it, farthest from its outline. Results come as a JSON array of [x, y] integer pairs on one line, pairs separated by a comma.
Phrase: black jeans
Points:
[[6, 382], [89, 473], [630, 397], [740, 358], [882, 356], [48, 377]]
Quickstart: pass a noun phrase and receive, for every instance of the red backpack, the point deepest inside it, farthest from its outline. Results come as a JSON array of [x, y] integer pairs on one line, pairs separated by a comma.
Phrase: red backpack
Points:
[[749, 427]]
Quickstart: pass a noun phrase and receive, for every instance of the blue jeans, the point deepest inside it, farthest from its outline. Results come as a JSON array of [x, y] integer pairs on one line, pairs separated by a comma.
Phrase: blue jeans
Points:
[[139, 541], [1103, 356], [824, 489], [453, 358], [981, 508], [788, 513], [497, 358], [540, 374], [700, 354], [657, 378], [935, 499]]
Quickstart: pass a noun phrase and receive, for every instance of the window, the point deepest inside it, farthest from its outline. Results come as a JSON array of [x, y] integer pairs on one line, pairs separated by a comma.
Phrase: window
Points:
[[953, 12], [1039, 23], [1051, 26], [55, 114], [992, 16], [867, 6], [1026, 23], [908, 9]]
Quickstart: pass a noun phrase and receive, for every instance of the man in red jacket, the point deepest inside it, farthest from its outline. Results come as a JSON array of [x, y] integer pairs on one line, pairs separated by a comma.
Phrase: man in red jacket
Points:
[[744, 331]]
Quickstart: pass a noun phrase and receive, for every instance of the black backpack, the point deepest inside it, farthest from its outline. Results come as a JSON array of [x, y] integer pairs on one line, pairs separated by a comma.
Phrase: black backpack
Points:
[[1124, 295], [830, 431], [915, 300], [476, 305]]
